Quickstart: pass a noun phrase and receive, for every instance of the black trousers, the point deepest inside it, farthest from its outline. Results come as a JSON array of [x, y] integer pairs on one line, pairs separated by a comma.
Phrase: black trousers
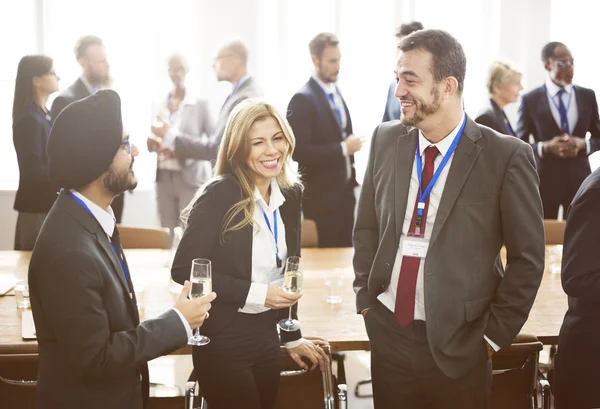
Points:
[[335, 224], [575, 383], [406, 376], [240, 366]]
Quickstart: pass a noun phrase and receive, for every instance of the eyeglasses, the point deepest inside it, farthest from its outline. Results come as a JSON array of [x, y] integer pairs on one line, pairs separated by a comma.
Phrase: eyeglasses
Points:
[[127, 144], [565, 63]]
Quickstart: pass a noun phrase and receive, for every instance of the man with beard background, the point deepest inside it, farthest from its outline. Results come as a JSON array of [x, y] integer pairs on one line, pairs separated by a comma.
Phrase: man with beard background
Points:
[[438, 202], [325, 146], [559, 115], [92, 348], [95, 75]]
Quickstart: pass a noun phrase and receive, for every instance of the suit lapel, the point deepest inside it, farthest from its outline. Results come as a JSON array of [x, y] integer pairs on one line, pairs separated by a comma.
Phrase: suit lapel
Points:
[[405, 157], [581, 112], [499, 113], [91, 225], [465, 156], [324, 106]]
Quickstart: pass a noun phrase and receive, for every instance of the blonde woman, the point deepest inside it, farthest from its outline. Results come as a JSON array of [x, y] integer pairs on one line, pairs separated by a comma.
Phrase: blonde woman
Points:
[[227, 223], [504, 86]]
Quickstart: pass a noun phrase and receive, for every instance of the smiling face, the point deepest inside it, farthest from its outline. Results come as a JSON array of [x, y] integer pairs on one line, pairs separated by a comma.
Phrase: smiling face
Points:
[[419, 94], [268, 150]]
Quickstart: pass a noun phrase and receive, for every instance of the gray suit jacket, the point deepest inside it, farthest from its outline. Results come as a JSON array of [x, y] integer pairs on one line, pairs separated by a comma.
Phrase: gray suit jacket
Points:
[[193, 148], [196, 125], [92, 348], [490, 199]]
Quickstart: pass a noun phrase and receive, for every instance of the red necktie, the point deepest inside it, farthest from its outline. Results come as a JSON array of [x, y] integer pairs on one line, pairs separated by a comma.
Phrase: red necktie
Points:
[[407, 283]]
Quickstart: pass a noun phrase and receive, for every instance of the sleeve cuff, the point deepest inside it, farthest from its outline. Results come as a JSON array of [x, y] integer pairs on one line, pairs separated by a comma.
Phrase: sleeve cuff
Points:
[[588, 147], [492, 343], [344, 149], [169, 139], [294, 344], [188, 329], [257, 294], [540, 149]]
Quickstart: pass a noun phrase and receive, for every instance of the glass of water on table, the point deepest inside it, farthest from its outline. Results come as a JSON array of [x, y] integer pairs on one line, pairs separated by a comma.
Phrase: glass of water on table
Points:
[[292, 283], [201, 280]]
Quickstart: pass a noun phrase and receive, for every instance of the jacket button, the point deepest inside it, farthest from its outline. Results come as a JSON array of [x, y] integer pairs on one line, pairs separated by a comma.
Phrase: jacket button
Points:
[[388, 266]]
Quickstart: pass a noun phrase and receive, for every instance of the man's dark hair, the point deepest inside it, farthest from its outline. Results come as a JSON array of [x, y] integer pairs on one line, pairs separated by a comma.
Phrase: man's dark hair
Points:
[[322, 40], [81, 46], [549, 49], [408, 28], [448, 57]]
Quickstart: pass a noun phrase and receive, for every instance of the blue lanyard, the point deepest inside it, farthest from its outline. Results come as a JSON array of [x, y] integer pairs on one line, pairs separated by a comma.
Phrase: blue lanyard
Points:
[[117, 251], [447, 156], [566, 119], [508, 126], [274, 233]]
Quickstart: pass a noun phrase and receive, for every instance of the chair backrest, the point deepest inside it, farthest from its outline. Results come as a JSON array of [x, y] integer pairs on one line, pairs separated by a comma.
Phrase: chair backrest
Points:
[[555, 231], [299, 389], [18, 374], [515, 370], [143, 237], [310, 237]]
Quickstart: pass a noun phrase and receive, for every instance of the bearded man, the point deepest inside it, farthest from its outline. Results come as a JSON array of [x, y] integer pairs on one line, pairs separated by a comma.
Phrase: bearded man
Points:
[[440, 198]]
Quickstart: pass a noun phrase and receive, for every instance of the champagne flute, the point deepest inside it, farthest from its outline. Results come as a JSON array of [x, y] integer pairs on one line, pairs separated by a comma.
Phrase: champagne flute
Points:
[[201, 279], [292, 283]]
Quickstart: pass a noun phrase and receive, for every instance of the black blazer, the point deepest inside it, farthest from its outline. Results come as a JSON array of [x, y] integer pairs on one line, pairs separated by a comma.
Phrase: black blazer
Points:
[[75, 92], [318, 148], [231, 259], [92, 347], [535, 118], [36, 193], [492, 116], [580, 333]]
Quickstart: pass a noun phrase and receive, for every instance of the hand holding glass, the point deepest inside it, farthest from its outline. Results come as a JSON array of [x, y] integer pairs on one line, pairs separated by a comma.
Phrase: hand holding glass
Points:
[[292, 283], [201, 280]]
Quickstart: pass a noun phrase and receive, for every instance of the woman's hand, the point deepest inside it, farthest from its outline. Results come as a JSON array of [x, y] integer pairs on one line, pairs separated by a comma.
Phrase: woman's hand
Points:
[[313, 350], [277, 298]]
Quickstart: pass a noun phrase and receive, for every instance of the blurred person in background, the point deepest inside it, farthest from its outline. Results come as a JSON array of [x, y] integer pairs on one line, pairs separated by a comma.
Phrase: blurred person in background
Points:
[[36, 80]]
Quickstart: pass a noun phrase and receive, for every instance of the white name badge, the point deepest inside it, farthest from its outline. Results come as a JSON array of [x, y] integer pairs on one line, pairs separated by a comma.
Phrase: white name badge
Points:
[[414, 247]]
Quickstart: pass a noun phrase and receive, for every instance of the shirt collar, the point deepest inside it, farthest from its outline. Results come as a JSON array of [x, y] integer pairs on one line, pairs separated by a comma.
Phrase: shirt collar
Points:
[[442, 145], [106, 218], [239, 83], [328, 88], [553, 88], [188, 98], [276, 200], [88, 85]]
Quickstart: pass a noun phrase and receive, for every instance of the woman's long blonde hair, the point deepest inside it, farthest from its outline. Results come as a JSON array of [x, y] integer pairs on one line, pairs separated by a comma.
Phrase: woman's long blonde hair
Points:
[[232, 160]]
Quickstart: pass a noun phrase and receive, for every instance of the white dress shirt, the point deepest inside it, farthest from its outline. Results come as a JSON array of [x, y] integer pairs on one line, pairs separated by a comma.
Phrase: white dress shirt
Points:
[[388, 297], [264, 265], [572, 112], [106, 219]]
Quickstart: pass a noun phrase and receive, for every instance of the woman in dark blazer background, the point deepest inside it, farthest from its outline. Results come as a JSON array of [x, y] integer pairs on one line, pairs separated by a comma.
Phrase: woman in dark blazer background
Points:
[[35, 81], [227, 224], [504, 86]]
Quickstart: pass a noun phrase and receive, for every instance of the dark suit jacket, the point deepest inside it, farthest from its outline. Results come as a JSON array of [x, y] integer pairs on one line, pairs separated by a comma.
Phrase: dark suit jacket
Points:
[[468, 293], [92, 348], [580, 333], [535, 118], [392, 105], [492, 116], [318, 149], [36, 193], [231, 259], [75, 92]]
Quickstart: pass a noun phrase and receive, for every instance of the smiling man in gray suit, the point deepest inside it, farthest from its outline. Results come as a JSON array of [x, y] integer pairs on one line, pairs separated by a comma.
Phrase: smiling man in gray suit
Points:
[[231, 65], [430, 283]]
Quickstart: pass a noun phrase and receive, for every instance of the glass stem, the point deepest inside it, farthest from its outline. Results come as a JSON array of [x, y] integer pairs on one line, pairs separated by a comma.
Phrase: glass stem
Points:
[[197, 333], [290, 316]]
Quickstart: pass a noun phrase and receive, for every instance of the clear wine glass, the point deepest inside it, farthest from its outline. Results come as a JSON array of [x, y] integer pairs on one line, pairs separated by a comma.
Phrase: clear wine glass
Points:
[[292, 283], [201, 279]]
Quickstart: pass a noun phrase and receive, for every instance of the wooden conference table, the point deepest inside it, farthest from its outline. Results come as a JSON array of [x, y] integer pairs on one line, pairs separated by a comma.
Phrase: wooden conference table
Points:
[[338, 323]]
